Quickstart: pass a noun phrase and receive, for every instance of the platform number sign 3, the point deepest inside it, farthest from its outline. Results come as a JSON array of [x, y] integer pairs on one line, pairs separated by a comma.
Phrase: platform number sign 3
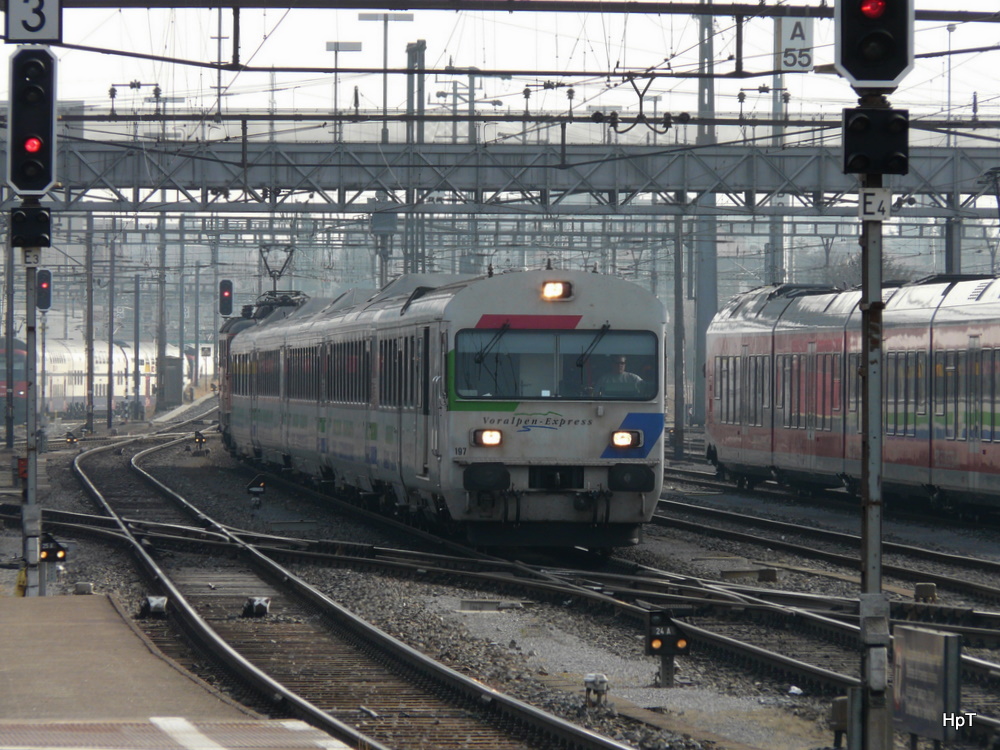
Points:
[[33, 21]]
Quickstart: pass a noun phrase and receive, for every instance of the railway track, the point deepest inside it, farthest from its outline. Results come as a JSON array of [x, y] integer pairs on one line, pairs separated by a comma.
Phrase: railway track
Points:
[[818, 636], [695, 472], [970, 576], [316, 659]]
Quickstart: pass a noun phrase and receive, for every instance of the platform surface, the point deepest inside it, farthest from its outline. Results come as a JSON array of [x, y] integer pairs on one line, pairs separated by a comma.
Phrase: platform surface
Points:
[[74, 673], [165, 733], [59, 653]]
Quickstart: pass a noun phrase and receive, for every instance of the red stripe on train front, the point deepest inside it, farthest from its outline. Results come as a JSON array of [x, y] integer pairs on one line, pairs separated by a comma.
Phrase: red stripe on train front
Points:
[[530, 321]]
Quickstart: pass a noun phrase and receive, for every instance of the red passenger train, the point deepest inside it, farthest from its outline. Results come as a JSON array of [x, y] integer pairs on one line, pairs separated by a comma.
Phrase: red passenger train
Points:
[[784, 388]]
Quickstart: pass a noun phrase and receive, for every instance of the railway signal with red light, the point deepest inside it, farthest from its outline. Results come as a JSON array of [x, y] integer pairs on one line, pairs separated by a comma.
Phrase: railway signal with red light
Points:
[[226, 297], [31, 122], [874, 42], [43, 289]]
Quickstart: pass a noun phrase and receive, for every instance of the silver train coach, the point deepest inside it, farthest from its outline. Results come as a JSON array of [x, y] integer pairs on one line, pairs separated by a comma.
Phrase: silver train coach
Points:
[[524, 408]]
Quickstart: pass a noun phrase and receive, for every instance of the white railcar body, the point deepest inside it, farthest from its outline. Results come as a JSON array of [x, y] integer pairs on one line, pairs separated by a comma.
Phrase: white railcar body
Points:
[[65, 374], [399, 398]]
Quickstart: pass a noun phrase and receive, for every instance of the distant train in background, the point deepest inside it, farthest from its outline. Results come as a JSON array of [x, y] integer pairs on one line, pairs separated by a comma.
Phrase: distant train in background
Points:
[[784, 388], [63, 391]]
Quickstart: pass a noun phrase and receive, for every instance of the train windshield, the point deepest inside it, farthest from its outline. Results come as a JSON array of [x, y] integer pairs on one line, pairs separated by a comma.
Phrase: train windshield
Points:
[[20, 368], [601, 364]]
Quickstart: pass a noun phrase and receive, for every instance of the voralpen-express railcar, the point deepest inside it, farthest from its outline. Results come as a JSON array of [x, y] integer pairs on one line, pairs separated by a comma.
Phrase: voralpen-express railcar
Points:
[[784, 388], [495, 404]]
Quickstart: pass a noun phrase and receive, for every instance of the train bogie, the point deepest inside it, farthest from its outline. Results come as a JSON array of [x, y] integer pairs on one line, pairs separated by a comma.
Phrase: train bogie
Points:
[[471, 402]]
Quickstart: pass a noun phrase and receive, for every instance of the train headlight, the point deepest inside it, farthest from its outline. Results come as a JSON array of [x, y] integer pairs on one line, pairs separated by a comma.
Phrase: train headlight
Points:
[[487, 438], [556, 290], [626, 438]]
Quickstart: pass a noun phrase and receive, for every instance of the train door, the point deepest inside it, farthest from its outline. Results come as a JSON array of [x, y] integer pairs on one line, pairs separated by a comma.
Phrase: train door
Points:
[[974, 407], [254, 389], [371, 405], [418, 430], [810, 396], [289, 361], [745, 396]]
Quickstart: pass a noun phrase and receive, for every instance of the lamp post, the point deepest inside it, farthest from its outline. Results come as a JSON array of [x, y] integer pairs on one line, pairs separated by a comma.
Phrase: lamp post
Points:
[[385, 18], [336, 48]]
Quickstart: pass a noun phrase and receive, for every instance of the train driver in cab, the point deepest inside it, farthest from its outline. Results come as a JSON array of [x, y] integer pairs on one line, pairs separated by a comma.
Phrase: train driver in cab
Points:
[[618, 382]]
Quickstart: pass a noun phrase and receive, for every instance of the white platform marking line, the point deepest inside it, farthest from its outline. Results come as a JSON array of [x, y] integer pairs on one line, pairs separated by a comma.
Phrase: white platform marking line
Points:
[[185, 733]]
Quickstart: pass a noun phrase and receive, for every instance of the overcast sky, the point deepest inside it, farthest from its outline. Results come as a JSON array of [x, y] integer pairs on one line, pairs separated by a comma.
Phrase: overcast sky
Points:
[[600, 42]]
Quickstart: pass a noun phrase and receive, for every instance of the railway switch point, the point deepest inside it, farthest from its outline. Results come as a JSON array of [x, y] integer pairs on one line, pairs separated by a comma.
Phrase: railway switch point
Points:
[[925, 592], [154, 606], [257, 606], [597, 687]]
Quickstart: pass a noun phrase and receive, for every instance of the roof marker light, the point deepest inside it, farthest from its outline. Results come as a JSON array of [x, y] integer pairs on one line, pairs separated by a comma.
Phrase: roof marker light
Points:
[[556, 290]]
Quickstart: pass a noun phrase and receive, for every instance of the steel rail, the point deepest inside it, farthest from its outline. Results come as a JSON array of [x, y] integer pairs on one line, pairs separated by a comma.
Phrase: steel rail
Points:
[[572, 735], [908, 574], [197, 628]]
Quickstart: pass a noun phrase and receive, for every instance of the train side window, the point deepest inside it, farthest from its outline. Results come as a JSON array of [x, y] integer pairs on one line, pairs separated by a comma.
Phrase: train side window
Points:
[[340, 372], [836, 383], [335, 372], [974, 390], [765, 380], [961, 395], [734, 390], [737, 391], [784, 373], [903, 394], [825, 394], [892, 391], [360, 386], [410, 365], [727, 395], [779, 381], [920, 389], [938, 359], [398, 374], [995, 391], [911, 393], [950, 394], [350, 363], [366, 372], [985, 394], [795, 395]]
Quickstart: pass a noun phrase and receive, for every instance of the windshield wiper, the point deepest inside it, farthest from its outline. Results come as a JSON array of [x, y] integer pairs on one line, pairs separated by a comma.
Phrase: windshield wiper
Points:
[[478, 359], [582, 359]]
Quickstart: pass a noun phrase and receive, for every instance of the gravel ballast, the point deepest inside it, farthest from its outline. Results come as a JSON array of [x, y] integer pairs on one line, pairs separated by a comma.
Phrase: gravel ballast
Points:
[[536, 651]]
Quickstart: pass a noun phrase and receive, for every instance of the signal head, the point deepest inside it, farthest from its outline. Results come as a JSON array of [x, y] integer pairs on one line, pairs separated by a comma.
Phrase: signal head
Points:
[[226, 297], [874, 42], [31, 121]]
